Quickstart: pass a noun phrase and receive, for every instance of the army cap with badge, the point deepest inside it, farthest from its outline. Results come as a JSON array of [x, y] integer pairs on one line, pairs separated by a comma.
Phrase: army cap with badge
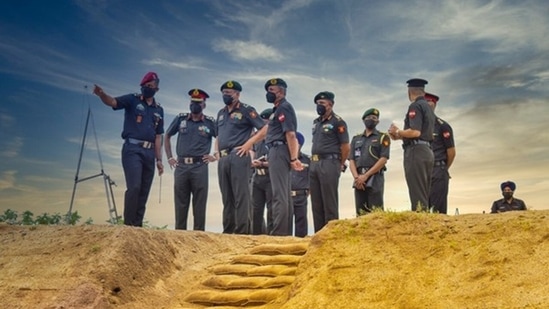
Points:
[[149, 77], [266, 114], [231, 84], [198, 95], [324, 95], [275, 82], [371, 112], [431, 97]]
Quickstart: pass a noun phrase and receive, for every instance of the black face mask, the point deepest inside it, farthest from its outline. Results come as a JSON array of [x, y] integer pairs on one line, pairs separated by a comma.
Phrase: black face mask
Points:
[[271, 97], [196, 108], [148, 92], [320, 109], [507, 195], [227, 99], [370, 124]]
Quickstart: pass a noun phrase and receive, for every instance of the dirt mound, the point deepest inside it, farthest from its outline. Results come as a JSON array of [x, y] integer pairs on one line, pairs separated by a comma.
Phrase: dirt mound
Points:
[[383, 260]]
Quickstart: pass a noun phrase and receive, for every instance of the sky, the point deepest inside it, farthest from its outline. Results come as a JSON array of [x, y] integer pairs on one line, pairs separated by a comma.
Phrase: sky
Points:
[[487, 60]]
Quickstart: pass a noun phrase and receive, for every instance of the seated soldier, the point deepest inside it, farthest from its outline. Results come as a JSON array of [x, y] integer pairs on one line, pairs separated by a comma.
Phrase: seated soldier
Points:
[[508, 202]]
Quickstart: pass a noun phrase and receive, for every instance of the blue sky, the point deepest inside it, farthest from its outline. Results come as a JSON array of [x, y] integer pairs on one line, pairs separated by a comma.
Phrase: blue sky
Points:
[[487, 60]]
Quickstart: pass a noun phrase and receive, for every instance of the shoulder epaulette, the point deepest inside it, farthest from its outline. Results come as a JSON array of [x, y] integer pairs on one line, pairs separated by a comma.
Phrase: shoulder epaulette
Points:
[[440, 120], [338, 117], [244, 105], [185, 115], [210, 118]]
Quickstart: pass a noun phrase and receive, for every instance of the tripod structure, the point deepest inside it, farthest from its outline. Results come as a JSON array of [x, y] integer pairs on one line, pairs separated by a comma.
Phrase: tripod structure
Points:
[[113, 215]]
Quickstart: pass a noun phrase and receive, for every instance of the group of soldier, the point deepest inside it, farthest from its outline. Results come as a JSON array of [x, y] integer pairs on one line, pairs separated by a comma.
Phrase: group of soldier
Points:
[[260, 162]]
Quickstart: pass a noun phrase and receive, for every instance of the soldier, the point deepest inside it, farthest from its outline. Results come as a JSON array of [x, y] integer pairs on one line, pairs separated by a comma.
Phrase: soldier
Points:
[[262, 192], [194, 140], [283, 151], [444, 151], [234, 126], [329, 152], [508, 202], [417, 135], [142, 134], [300, 191], [367, 159]]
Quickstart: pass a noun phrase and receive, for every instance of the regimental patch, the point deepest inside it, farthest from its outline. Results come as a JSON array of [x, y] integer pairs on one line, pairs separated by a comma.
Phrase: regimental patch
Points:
[[412, 114], [281, 117], [341, 129], [446, 134], [253, 114]]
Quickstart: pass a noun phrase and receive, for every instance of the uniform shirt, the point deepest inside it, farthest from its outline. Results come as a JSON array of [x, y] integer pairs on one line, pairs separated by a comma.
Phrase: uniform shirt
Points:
[[260, 150], [300, 179], [195, 137], [328, 135], [235, 128], [366, 150], [141, 121], [503, 206], [282, 120], [420, 117], [443, 138]]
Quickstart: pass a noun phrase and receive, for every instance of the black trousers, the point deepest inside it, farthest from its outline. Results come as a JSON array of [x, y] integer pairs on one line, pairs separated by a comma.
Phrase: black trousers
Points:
[[418, 167], [190, 179], [438, 198], [234, 180], [262, 195]]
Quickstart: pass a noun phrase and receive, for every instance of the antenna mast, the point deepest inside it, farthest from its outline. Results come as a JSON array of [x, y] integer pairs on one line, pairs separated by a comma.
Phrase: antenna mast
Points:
[[108, 182]]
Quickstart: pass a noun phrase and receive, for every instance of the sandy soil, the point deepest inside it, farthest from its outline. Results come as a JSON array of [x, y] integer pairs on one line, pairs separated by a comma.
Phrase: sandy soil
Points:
[[383, 260]]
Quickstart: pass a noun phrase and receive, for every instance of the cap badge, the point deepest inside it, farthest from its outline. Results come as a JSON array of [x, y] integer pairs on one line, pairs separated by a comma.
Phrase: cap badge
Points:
[[273, 81], [230, 84]]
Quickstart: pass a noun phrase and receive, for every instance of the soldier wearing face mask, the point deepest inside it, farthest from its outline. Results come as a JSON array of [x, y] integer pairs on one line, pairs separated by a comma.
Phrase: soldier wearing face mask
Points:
[[195, 132], [367, 159], [235, 124], [330, 150], [142, 134], [508, 202]]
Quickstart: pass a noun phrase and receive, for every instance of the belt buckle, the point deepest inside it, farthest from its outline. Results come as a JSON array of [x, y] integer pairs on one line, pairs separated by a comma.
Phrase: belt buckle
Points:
[[315, 158], [260, 172], [147, 144], [223, 153], [188, 160], [294, 193]]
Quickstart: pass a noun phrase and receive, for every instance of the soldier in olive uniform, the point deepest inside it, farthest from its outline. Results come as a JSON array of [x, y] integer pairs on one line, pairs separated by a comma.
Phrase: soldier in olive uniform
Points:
[[416, 137], [300, 191], [234, 126], [444, 151], [262, 192], [283, 151], [195, 132], [329, 152], [367, 159]]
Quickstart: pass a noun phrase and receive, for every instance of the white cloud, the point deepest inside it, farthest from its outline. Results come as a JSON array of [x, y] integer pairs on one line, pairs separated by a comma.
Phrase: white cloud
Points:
[[249, 50]]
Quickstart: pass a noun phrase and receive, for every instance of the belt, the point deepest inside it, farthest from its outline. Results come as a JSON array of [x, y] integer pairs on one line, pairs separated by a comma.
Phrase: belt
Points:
[[416, 142], [225, 152], [189, 160], [300, 192], [440, 163], [141, 143], [262, 171], [362, 170], [274, 143], [330, 156]]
